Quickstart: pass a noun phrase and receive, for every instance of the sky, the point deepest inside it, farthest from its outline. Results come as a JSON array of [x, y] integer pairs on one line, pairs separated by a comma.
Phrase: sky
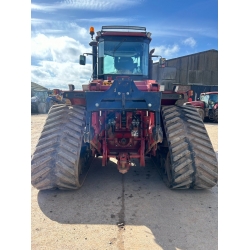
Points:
[[60, 32]]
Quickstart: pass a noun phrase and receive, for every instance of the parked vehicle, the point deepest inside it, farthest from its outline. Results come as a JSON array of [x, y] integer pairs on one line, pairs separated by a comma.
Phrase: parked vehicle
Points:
[[38, 102], [42, 100], [207, 106]]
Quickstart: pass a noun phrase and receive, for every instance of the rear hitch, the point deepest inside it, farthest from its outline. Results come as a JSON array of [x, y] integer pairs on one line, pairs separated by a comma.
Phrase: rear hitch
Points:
[[123, 163]]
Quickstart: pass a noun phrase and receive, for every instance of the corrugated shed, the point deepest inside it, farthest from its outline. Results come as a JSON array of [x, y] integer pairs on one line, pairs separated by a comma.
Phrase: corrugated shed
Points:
[[37, 87], [199, 68]]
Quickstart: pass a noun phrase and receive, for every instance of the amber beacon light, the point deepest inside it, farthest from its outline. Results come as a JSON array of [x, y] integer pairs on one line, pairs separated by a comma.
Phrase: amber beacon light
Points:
[[91, 31]]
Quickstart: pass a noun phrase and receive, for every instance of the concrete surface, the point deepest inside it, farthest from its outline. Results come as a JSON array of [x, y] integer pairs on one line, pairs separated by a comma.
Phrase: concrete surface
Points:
[[154, 216]]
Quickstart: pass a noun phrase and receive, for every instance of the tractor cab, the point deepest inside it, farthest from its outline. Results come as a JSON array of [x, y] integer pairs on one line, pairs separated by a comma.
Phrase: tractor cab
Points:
[[117, 52], [123, 55], [209, 99]]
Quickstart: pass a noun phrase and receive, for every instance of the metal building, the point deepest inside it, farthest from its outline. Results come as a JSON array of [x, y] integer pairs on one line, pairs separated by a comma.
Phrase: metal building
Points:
[[195, 69], [37, 87]]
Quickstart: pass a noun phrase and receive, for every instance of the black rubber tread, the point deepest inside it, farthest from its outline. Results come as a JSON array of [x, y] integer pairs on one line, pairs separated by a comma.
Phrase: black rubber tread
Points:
[[216, 116], [55, 161], [193, 161]]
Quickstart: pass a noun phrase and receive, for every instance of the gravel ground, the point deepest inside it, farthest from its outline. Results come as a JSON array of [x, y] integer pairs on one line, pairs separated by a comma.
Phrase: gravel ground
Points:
[[155, 217]]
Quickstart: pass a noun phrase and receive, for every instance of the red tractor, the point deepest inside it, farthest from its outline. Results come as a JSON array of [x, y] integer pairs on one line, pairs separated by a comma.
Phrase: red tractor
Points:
[[207, 106], [122, 114]]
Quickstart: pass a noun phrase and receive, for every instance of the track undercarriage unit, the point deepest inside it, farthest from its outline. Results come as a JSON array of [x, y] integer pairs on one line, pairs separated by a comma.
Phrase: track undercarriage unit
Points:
[[189, 160], [61, 157]]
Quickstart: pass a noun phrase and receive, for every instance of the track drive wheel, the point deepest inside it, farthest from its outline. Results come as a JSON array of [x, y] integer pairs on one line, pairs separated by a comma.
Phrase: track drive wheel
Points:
[[191, 161], [60, 155]]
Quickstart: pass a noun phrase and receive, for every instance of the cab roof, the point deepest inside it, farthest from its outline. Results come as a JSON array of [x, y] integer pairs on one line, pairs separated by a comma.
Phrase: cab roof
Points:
[[123, 31]]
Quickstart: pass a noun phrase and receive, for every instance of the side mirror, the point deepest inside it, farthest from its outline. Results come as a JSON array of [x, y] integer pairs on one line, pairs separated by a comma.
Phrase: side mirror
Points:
[[82, 60]]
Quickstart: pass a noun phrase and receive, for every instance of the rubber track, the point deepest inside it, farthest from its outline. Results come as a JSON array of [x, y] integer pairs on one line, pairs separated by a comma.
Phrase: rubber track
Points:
[[54, 163], [193, 160]]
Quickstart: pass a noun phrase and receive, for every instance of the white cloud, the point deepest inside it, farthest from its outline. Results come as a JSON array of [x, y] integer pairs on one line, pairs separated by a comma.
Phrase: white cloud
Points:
[[40, 46], [97, 5], [38, 22], [182, 30], [108, 20], [190, 42], [59, 75], [167, 52], [43, 8], [60, 28], [55, 56], [57, 60], [57, 49]]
